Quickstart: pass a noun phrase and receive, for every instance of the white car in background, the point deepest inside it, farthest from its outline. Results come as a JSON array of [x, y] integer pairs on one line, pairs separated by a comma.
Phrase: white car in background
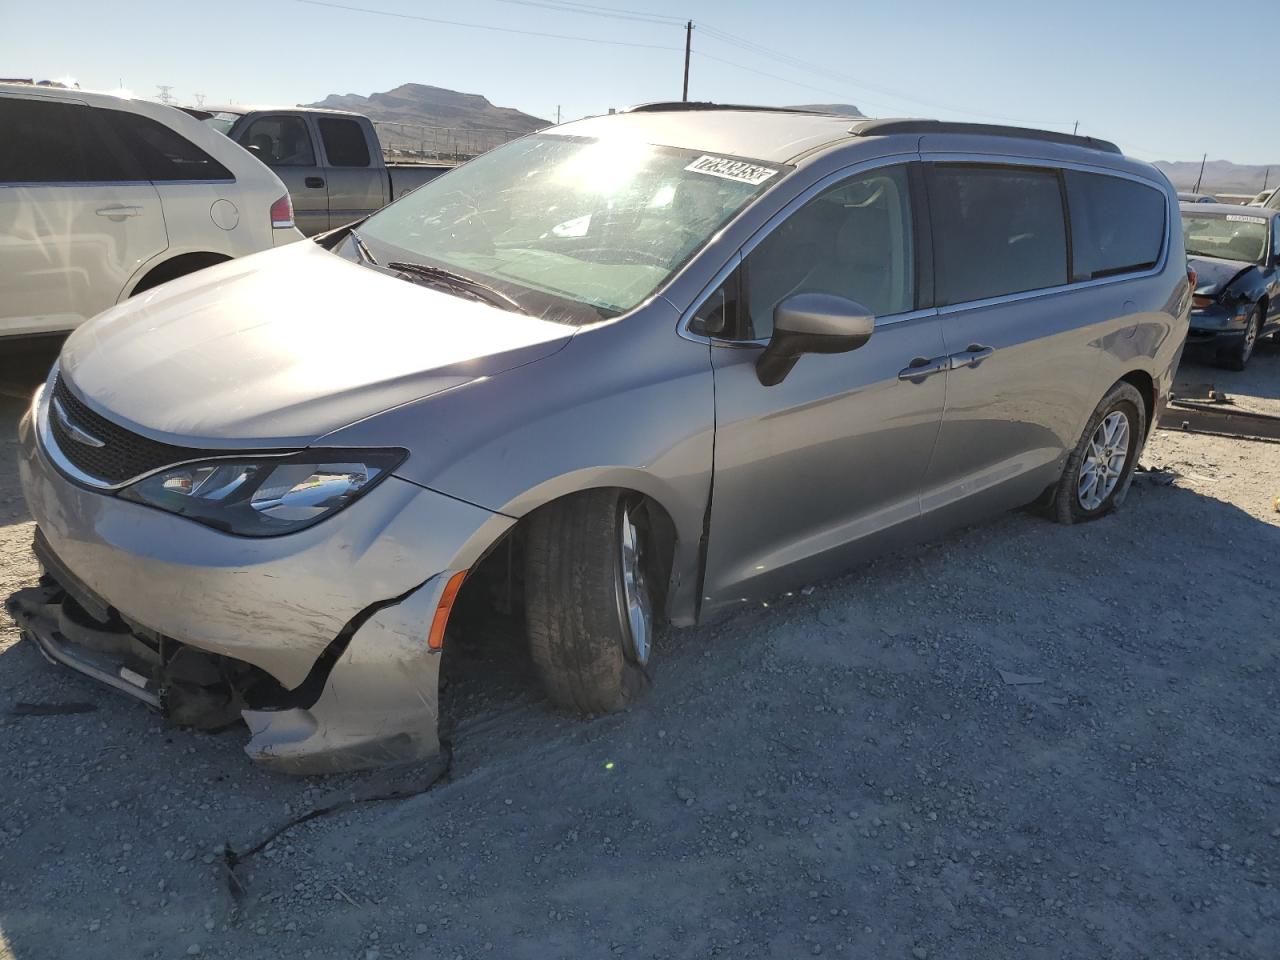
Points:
[[103, 197]]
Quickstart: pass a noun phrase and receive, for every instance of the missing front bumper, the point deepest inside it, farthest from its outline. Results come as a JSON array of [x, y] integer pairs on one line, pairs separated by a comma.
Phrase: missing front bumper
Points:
[[369, 700]]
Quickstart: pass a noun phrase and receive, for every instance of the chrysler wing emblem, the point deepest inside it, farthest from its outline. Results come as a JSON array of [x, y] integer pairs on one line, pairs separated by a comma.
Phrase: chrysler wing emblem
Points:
[[76, 433]]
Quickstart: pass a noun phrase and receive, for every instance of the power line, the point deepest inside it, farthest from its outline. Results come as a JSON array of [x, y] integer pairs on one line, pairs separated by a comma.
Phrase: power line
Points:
[[751, 46], [485, 26], [569, 6]]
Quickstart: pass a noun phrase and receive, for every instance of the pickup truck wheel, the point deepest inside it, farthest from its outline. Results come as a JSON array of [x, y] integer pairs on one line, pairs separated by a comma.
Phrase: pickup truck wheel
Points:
[[1100, 468], [590, 599], [1237, 357]]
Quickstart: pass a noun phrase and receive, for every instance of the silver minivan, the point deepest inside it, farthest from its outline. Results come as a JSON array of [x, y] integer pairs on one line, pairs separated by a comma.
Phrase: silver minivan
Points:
[[646, 367]]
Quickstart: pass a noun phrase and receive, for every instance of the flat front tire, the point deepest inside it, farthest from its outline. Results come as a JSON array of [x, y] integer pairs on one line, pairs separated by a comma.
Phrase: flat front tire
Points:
[[590, 599], [1100, 468]]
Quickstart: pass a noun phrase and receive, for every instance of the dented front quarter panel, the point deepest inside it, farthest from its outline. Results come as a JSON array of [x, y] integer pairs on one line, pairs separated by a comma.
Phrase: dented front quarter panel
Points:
[[379, 705]]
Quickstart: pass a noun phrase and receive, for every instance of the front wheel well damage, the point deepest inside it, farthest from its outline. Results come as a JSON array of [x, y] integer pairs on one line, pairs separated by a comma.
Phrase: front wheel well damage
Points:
[[488, 619], [497, 573]]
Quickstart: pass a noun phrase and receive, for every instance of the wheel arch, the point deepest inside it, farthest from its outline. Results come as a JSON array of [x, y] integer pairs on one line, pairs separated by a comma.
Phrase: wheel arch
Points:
[[1145, 384], [172, 267], [677, 544]]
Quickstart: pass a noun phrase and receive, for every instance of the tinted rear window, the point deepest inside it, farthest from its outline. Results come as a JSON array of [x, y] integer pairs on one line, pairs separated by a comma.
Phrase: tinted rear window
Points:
[[997, 230], [1116, 225], [164, 154], [45, 141], [344, 143]]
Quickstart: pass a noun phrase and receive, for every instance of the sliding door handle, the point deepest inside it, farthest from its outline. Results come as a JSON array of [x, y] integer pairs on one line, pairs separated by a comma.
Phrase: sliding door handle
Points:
[[921, 367], [971, 357]]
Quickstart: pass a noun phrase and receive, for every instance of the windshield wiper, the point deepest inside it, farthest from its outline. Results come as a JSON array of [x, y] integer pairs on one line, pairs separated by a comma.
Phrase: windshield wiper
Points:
[[362, 248], [458, 283]]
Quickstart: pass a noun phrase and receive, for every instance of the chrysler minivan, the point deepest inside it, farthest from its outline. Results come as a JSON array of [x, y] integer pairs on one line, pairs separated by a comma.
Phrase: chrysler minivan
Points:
[[649, 367]]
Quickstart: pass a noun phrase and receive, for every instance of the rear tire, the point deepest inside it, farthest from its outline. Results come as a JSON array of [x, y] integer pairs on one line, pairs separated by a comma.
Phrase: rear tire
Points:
[[1237, 356], [587, 582], [1100, 469]]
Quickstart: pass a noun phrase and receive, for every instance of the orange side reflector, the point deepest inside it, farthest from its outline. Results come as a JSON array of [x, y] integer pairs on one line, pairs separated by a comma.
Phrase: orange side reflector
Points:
[[435, 639]]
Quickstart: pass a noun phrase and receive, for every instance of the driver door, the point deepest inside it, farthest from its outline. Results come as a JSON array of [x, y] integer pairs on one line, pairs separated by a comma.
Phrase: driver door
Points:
[[827, 466]]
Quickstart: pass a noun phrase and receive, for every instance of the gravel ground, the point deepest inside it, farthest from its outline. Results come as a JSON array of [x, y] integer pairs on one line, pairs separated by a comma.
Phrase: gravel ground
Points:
[[862, 771]]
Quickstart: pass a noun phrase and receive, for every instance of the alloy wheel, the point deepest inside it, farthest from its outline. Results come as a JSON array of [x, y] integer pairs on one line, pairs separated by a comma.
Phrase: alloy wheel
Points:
[[1104, 460], [1250, 338], [636, 599]]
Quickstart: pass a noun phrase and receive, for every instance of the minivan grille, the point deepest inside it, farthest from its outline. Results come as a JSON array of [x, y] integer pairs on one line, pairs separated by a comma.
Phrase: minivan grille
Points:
[[123, 454]]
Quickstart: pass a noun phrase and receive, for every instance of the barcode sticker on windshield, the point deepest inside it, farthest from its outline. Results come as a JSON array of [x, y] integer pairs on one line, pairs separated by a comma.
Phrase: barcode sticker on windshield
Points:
[[1239, 219], [739, 170]]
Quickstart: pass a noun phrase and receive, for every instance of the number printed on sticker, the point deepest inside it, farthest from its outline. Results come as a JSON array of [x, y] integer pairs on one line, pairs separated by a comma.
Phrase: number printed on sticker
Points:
[[1239, 219], [730, 169]]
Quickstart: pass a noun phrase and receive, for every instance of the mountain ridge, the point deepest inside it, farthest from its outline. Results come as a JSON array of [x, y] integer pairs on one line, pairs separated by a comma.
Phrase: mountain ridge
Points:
[[417, 116]]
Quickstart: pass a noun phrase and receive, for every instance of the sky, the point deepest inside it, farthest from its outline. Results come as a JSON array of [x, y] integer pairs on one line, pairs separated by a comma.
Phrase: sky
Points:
[[1148, 75]]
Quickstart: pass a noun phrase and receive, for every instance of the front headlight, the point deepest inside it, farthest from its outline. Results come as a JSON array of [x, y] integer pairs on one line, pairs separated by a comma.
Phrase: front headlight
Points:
[[266, 497]]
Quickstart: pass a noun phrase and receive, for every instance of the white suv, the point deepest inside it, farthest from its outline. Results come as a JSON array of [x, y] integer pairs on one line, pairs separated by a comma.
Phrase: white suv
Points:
[[102, 197]]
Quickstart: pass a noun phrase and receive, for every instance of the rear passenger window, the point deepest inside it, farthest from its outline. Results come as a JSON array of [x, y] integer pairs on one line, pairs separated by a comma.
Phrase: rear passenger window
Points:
[[164, 154], [45, 141], [344, 143], [996, 230], [1116, 225]]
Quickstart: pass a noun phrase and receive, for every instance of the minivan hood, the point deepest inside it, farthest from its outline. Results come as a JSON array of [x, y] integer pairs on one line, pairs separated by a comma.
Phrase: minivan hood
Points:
[[282, 347], [1213, 275]]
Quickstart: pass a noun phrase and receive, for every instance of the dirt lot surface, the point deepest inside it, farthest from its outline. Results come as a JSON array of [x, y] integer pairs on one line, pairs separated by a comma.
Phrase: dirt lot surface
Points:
[[1028, 741]]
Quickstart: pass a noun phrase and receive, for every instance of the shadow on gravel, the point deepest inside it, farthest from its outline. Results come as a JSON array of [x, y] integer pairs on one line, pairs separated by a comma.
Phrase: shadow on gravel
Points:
[[1261, 378]]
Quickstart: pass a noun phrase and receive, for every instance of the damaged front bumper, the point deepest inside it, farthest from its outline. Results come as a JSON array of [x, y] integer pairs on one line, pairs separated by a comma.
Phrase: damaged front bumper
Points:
[[317, 639]]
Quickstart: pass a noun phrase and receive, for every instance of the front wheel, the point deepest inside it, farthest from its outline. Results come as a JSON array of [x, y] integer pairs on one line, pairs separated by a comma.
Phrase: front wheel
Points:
[[591, 599], [1237, 357], [1100, 468]]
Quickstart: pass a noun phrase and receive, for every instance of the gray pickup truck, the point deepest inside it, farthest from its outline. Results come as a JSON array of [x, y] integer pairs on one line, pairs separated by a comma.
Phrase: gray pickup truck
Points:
[[330, 160]]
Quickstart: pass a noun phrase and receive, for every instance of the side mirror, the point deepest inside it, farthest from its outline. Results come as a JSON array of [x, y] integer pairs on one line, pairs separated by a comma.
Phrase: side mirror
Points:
[[812, 323]]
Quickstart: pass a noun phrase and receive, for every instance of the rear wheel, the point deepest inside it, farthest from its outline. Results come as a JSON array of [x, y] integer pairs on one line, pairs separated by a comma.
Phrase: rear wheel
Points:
[[1237, 356], [590, 599], [1100, 468]]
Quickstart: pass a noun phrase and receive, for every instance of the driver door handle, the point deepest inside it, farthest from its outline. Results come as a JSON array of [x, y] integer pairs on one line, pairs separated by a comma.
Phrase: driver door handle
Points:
[[921, 367], [314, 182], [118, 213], [971, 357]]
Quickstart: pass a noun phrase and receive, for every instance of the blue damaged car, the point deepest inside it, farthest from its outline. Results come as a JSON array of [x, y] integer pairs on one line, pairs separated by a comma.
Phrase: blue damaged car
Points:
[[1235, 252]]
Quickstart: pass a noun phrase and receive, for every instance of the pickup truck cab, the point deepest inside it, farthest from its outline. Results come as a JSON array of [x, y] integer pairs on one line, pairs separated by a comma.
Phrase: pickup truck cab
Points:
[[331, 160]]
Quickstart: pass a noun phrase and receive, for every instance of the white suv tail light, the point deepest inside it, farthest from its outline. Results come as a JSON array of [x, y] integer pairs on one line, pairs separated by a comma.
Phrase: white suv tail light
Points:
[[282, 212]]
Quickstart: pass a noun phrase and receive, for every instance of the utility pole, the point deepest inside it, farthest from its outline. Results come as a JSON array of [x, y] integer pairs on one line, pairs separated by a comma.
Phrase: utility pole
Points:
[[557, 114], [166, 95], [1076, 128], [1196, 188], [199, 99], [688, 48], [1266, 178]]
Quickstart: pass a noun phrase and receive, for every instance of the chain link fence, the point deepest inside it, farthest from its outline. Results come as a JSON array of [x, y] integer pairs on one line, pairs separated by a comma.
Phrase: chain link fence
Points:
[[435, 143]]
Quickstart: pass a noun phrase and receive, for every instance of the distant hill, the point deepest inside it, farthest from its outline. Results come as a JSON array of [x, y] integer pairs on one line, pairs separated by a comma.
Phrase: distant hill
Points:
[[1220, 176], [841, 109], [414, 118]]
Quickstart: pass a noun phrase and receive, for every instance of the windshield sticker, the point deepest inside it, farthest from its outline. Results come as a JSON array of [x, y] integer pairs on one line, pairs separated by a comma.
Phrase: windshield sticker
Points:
[[1240, 219], [739, 170]]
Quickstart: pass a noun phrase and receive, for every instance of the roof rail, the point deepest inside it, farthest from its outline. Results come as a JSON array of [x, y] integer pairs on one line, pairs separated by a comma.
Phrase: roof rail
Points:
[[884, 128], [676, 106]]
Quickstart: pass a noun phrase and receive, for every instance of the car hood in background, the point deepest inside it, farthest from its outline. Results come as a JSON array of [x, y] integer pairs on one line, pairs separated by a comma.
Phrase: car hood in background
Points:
[[1214, 275], [280, 348]]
